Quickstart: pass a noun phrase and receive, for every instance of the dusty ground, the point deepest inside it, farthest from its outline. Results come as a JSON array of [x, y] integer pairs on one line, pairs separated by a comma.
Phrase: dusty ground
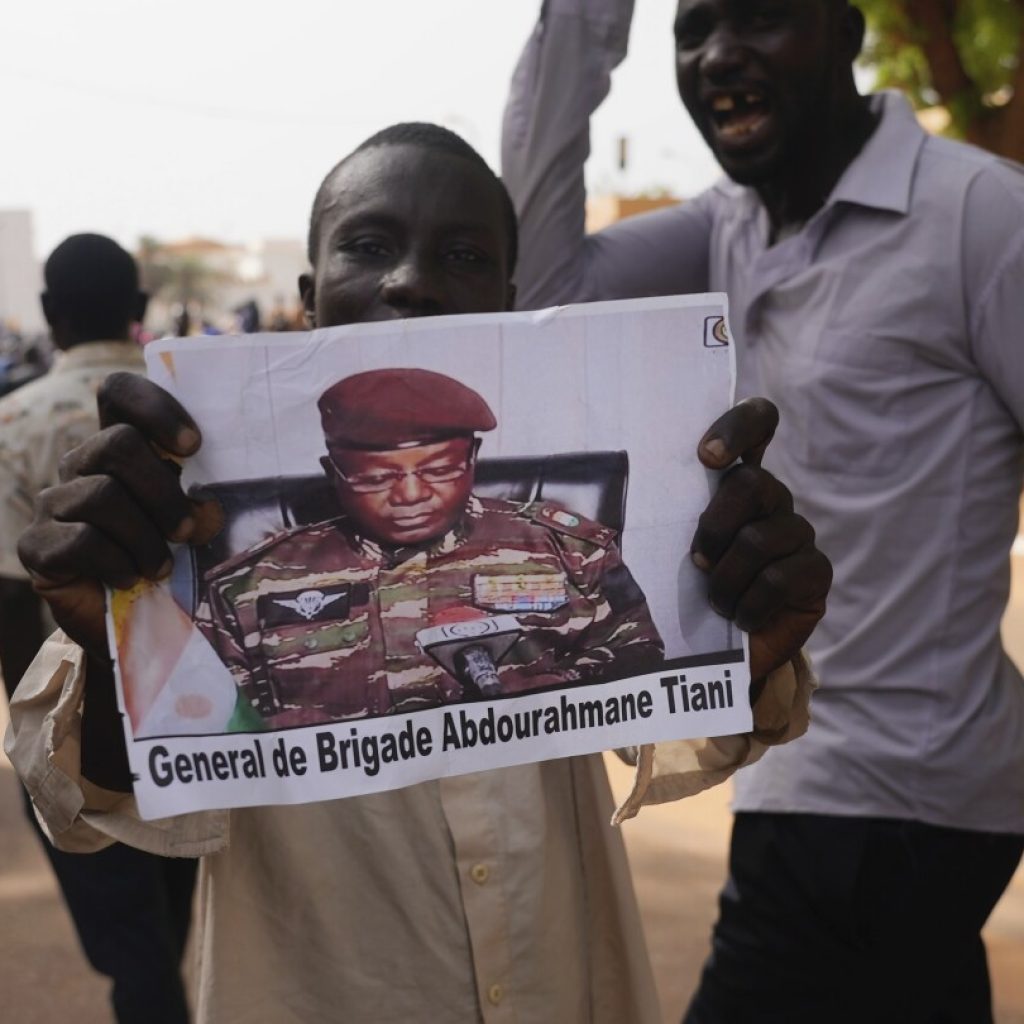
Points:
[[677, 852]]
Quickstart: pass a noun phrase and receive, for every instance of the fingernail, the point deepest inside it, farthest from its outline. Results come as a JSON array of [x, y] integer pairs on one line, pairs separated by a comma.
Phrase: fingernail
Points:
[[187, 439], [700, 561], [716, 449], [184, 530]]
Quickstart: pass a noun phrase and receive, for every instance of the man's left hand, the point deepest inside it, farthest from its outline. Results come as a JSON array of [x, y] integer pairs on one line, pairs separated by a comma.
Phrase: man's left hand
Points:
[[764, 571]]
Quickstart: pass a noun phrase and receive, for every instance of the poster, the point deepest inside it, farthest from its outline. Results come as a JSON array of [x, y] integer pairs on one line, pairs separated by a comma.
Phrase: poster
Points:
[[446, 545]]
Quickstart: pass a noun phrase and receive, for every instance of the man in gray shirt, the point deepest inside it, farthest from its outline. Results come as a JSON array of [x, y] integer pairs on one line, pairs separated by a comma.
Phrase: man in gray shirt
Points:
[[876, 286]]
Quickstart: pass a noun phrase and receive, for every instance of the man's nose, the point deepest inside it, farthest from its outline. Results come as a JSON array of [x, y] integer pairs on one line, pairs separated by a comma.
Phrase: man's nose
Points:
[[410, 490], [412, 287], [722, 55]]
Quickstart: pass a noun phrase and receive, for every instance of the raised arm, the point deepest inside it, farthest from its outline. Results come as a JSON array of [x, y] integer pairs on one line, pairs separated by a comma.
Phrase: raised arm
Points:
[[562, 77]]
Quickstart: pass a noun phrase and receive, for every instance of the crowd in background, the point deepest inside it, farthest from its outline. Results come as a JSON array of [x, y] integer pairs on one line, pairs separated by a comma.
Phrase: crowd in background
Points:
[[25, 356]]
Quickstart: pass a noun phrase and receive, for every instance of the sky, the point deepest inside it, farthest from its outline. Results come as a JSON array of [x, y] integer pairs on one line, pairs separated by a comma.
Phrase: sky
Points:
[[204, 117]]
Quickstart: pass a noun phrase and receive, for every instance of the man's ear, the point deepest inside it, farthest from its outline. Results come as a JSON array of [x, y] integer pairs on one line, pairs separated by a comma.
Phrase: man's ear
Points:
[[307, 290], [327, 466], [141, 304], [852, 30], [48, 313], [510, 297]]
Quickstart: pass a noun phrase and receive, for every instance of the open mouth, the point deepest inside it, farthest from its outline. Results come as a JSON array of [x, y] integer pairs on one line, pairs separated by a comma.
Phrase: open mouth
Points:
[[739, 116]]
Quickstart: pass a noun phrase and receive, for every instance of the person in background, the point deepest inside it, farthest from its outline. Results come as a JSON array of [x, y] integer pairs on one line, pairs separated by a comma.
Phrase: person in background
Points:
[[181, 321], [247, 317], [131, 909]]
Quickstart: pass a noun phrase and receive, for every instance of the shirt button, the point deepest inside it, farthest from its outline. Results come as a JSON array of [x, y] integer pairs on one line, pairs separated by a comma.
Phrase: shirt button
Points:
[[495, 994], [310, 644], [480, 873]]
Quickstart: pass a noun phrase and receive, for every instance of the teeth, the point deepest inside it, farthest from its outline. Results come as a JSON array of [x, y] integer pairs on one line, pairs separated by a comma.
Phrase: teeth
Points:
[[720, 104], [741, 127]]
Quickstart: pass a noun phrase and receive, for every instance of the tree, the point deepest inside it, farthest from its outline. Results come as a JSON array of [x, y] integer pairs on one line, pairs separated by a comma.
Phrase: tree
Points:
[[963, 55], [153, 272], [190, 280], [176, 277]]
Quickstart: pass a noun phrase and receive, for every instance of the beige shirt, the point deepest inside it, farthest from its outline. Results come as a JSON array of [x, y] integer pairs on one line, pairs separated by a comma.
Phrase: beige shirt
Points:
[[497, 897], [40, 422]]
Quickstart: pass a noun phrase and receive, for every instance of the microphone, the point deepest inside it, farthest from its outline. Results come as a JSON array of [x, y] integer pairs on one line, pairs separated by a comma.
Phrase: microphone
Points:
[[474, 665], [471, 647]]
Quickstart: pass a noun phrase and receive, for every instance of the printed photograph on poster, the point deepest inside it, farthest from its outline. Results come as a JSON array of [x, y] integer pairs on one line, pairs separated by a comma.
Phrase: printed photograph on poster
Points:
[[438, 546]]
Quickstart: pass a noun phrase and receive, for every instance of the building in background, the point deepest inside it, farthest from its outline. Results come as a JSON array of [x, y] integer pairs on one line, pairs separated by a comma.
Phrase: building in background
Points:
[[606, 209], [21, 278], [222, 286]]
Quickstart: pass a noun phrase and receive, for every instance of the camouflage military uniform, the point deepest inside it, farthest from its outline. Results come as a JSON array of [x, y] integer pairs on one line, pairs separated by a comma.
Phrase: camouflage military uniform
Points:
[[317, 624], [40, 422]]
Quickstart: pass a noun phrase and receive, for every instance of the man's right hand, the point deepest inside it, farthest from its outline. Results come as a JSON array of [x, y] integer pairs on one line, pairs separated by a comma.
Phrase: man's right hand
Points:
[[119, 504]]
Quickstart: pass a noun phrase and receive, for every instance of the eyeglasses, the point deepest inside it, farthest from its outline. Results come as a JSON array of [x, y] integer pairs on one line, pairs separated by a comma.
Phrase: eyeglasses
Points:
[[374, 483]]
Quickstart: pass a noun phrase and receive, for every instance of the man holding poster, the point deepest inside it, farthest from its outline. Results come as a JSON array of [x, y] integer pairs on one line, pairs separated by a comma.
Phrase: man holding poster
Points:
[[497, 896]]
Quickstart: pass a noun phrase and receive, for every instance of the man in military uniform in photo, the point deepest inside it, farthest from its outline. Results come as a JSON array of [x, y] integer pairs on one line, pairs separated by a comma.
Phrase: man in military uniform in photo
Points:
[[336, 620]]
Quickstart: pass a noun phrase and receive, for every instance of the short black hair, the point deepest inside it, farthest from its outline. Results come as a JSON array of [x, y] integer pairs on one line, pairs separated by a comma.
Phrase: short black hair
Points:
[[94, 284], [429, 136]]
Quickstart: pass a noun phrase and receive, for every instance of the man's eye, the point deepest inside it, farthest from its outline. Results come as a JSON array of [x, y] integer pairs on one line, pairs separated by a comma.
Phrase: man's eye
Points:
[[464, 254], [368, 483], [767, 14], [692, 31], [443, 474], [366, 247], [766, 17]]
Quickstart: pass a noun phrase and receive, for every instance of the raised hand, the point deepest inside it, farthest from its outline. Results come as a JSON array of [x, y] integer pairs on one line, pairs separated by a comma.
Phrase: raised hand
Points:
[[118, 505], [764, 571]]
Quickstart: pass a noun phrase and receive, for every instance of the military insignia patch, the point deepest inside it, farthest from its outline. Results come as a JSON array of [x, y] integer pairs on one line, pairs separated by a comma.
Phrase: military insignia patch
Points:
[[520, 592], [310, 604], [563, 521]]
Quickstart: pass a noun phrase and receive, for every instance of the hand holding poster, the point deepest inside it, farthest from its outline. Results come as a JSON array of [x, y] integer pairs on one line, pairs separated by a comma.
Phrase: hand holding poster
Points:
[[427, 563]]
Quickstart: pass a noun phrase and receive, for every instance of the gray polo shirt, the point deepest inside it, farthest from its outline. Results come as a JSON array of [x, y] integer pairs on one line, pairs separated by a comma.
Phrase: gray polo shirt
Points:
[[890, 333]]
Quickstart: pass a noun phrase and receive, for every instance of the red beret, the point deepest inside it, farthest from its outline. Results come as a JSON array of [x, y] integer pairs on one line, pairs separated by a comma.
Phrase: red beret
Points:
[[384, 409]]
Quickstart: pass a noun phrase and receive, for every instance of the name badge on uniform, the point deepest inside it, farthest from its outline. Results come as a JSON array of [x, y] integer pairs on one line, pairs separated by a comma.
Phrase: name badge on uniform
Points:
[[310, 604], [520, 592]]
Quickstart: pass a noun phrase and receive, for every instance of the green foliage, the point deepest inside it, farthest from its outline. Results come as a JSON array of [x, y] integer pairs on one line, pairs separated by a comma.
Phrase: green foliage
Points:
[[986, 35], [889, 51], [175, 277]]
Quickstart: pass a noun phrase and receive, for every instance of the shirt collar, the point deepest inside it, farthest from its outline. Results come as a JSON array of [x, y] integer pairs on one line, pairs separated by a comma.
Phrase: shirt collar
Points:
[[97, 353], [882, 174]]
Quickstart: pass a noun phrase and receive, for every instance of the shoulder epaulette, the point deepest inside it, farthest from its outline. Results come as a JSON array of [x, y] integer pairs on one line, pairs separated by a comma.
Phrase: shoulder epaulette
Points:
[[572, 524], [261, 547]]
